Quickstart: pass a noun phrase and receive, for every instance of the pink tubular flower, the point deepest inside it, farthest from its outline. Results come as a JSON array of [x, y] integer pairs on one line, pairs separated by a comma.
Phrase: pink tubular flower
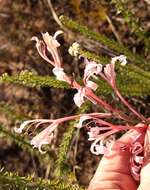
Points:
[[50, 44], [44, 137], [109, 70], [91, 69], [35, 122], [110, 74], [100, 130]]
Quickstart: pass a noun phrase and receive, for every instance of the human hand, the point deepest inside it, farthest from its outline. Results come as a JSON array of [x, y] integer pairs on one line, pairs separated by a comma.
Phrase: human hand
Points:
[[113, 172]]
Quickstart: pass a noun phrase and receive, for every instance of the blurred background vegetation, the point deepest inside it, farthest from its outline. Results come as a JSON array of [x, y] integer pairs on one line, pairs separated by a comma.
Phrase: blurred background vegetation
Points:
[[103, 28]]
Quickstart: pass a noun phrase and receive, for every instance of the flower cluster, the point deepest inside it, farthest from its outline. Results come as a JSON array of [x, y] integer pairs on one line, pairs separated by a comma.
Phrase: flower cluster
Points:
[[100, 130]]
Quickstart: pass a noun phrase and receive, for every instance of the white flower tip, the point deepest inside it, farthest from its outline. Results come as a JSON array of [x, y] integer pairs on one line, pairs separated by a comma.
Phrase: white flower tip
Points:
[[50, 41], [18, 130], [77, 102], [22, 126], [42, 139], [79, 97], [121, 58], [34, 38], [81, 120], [39, 146], [91, 138], [95, 149], [74, 49], [98, 149], [57, 33], [60, 74], [45, 34], [91, 69]]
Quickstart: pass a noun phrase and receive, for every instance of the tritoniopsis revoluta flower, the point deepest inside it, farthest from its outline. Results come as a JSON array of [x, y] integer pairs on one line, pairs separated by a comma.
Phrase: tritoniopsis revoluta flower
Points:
[[99, 127]]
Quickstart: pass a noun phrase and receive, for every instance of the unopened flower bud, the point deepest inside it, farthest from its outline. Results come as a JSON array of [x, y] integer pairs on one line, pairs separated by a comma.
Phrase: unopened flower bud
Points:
[[74, 49]]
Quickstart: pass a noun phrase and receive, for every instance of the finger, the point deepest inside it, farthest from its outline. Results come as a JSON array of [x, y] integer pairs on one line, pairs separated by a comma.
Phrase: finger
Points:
[[145, 172], [119, 160], [116, 165]]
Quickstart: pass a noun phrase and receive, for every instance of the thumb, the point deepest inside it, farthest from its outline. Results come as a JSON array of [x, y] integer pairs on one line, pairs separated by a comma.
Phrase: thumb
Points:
[[114, 169], [145, 172]]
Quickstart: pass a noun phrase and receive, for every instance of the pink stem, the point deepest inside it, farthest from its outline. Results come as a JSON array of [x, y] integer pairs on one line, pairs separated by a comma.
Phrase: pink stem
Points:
[[129, 106], [107, 106], [101, 102], [118, 127]]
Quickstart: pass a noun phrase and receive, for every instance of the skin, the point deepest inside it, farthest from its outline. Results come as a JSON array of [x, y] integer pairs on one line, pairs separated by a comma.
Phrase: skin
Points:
[[113, 172]]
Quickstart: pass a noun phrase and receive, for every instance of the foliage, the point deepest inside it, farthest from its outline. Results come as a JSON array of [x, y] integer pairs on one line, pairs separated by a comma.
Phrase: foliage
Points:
[[10, 181], [112, 44], [132, 21], [29, 79]]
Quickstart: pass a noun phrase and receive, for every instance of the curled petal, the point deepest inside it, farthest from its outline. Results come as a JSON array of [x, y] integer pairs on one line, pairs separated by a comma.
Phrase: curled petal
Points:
[[39, 145], [79, 97], [103, 145], [82, 119], [44, 137], [93, 116], [135, 169], [91, 69], [137, 148], [57, 33], [121, 58], [23, 125], [41, 47], [52, 45], [38, 122], [98, 148], [137, 159], [61, 75]]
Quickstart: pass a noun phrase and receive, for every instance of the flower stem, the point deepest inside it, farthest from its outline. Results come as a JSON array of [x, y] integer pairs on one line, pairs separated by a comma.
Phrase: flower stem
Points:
[[106, 106], [129, 106]]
